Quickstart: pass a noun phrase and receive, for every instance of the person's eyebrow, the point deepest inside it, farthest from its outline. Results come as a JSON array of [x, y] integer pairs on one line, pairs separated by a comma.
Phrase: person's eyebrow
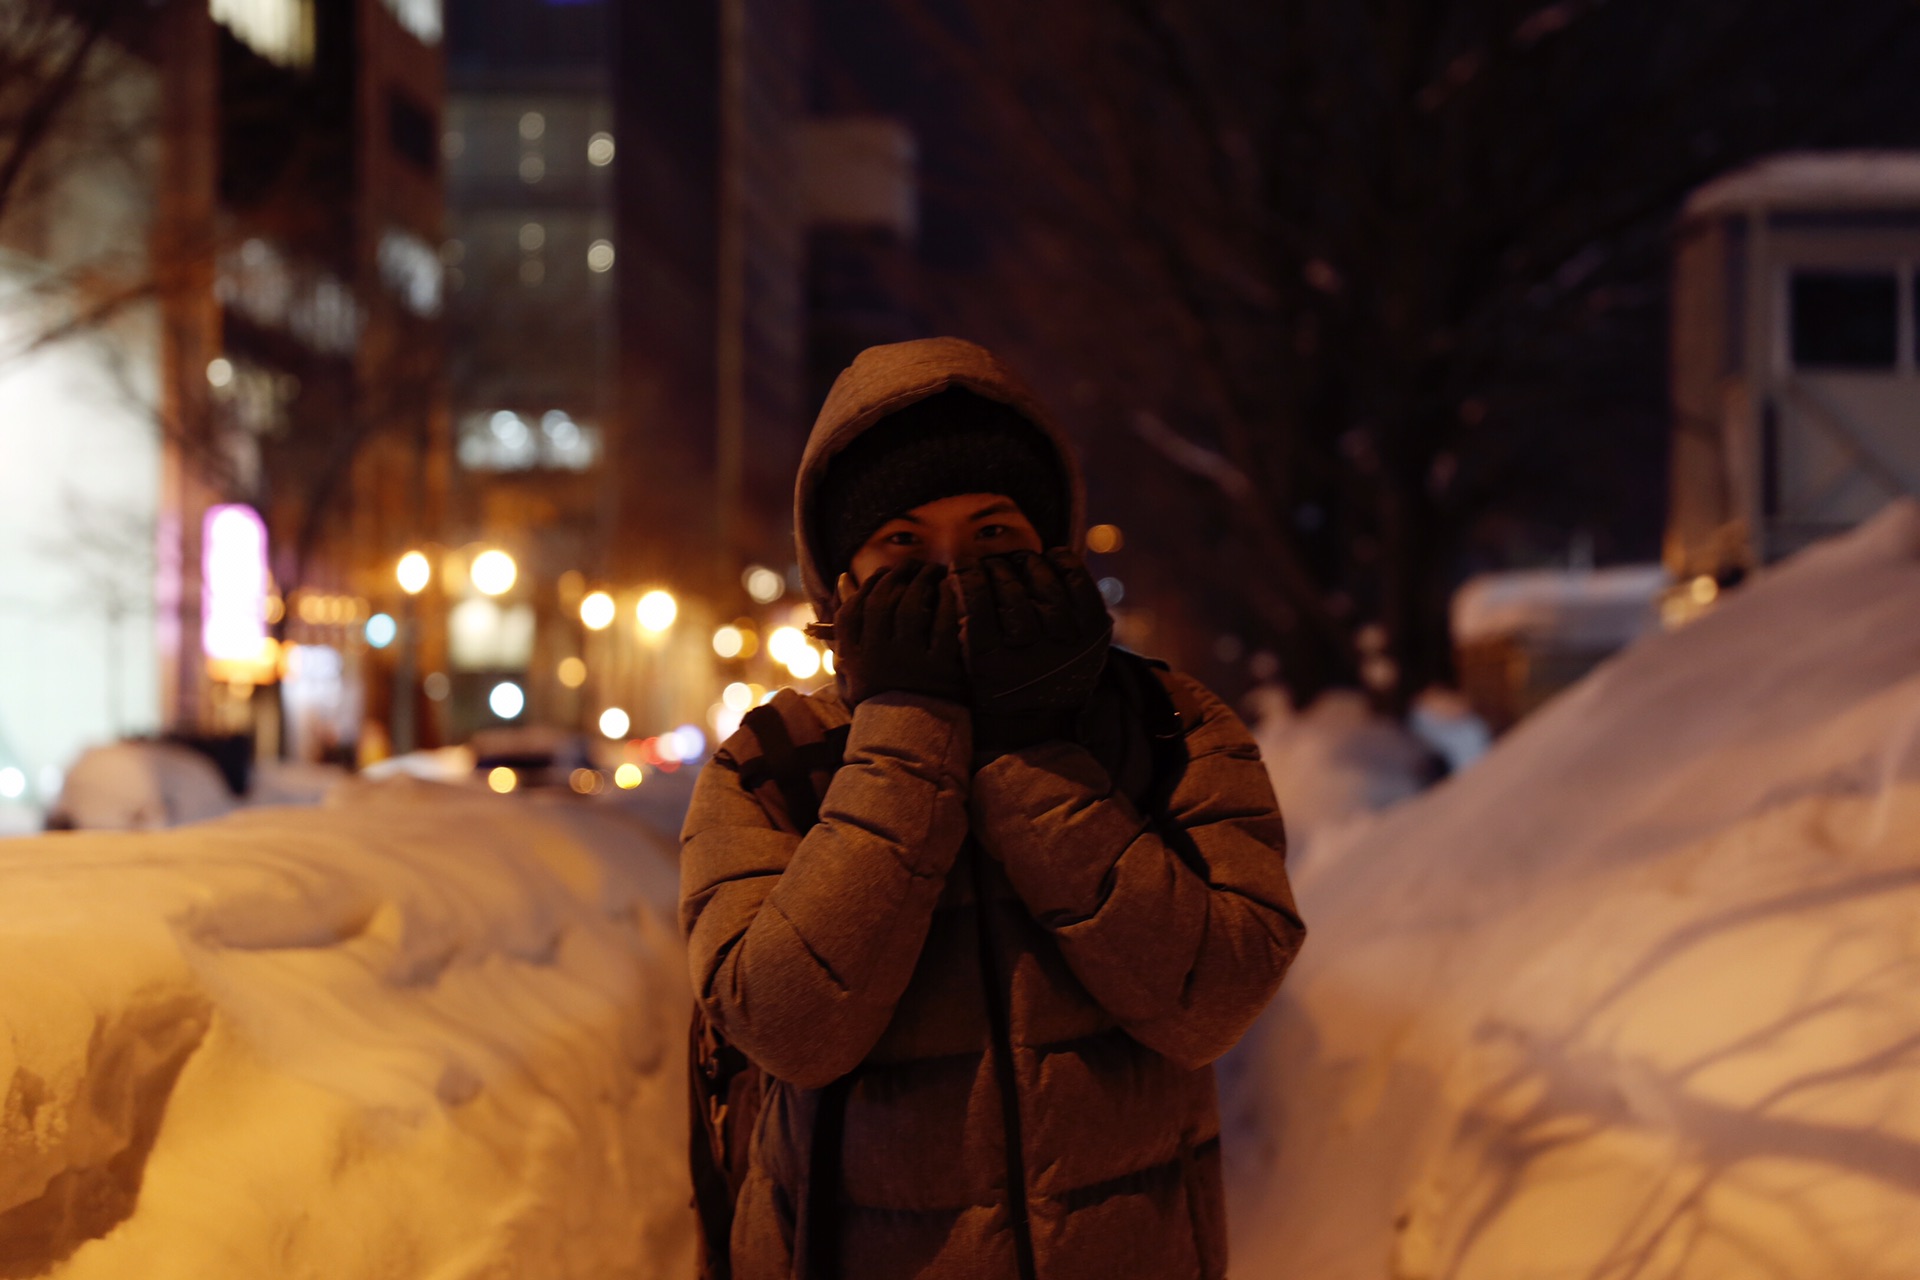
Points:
[[999, 508]]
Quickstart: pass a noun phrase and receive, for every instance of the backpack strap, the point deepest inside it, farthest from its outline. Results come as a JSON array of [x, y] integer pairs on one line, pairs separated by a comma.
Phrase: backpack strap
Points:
[[791, 767], [1145, 681]]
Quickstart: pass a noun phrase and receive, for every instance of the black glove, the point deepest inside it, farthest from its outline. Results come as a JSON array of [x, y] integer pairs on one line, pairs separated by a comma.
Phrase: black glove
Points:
[[900, 632], [1035, 633]]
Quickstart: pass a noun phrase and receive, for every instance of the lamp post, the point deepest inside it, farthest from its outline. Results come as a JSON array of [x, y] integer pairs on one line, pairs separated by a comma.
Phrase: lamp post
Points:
[[413, 573]]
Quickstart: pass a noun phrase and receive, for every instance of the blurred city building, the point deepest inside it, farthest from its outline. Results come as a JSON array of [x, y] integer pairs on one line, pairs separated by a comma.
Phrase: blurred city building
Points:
[[1796, 357], [420, 374], [231, 293], [80, 370]]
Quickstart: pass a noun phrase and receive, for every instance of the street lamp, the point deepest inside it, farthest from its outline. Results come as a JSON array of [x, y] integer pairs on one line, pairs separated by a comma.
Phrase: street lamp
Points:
[[596, 611], [656, 611], [414, 573], [493, 572]]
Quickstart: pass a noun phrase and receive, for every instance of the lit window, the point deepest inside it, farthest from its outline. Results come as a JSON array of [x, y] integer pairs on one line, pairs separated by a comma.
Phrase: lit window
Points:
[[1845, 319], [507, 441], [411, 268]]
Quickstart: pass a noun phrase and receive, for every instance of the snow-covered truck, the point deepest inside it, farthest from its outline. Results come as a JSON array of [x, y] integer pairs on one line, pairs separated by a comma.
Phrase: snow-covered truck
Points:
[[1795, 357]]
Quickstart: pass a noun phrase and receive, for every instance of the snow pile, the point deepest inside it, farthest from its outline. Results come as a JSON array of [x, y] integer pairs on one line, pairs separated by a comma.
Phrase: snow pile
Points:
[[141, 786], [419, 1032], [1336, 761], [1634, 997]]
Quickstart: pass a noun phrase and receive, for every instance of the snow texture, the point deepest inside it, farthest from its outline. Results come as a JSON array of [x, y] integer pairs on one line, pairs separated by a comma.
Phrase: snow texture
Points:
[[1634, 997], [1335, 762], [417, 1033]]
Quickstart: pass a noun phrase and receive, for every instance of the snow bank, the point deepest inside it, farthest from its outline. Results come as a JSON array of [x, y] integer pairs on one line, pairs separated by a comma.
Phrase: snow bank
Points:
[[1336, 762], [1634, 996], [418, 1033]]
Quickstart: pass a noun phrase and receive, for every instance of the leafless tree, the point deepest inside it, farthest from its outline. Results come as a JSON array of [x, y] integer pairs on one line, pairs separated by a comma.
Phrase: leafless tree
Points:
[[1368, 274]]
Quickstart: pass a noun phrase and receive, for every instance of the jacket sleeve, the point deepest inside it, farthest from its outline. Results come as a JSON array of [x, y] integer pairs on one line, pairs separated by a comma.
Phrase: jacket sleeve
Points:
[[1182, 936], [799, 948]]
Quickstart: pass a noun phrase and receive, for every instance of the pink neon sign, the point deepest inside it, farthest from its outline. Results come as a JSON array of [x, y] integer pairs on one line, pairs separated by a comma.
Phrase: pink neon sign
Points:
[[233, 568]]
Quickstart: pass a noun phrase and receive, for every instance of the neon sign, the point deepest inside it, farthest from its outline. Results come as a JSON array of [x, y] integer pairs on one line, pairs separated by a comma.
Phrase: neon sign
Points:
[[233, 568]]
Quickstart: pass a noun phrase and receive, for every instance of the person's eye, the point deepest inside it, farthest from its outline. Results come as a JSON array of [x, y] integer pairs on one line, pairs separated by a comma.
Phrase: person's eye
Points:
[[901, 538], [988, 532]]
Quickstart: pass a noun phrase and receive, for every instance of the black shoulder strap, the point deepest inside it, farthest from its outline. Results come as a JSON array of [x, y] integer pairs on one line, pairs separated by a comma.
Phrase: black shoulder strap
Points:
[[1166, 729], [782, 765]]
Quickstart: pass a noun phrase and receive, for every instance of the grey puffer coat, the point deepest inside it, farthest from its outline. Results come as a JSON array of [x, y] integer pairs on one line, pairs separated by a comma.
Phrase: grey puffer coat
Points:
[[1013, 978]]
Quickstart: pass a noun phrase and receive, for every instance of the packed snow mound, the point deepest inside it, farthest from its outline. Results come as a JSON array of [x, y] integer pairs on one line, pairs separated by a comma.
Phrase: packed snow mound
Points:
[[141, 786], [1336, 761], [419, 1032], [1633, 998]]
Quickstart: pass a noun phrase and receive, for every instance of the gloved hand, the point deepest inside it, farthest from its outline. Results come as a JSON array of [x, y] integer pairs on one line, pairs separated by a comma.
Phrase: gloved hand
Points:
[[1035, 634], [900, 632]]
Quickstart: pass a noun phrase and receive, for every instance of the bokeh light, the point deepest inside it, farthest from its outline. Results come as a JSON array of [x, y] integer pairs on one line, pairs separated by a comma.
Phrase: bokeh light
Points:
[[627, 776], [785, 643], [381, 629], [615, 722], [507, 700], [493, 572], [596, 611], [656, 611], [502, 779], [572, 672], [728, 641], [763, 584], [1105, 538], [414, 573]]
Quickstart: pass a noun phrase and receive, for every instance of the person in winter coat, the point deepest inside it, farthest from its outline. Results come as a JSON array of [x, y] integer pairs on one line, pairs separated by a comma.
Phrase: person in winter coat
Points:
[[986, 985]]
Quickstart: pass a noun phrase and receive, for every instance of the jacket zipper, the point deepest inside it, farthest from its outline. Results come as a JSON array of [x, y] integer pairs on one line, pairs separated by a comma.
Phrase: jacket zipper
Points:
[[997, 1017]]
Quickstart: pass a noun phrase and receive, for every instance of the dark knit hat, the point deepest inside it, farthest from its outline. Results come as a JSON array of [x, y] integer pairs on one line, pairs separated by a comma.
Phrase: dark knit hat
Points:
[[950, 443]]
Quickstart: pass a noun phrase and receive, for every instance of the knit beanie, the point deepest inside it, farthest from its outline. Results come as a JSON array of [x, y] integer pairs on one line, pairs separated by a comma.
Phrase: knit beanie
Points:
[[950, 443]]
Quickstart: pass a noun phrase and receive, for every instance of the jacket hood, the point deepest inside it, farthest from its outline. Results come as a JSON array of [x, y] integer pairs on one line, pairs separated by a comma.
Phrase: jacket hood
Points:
[[883, 380]]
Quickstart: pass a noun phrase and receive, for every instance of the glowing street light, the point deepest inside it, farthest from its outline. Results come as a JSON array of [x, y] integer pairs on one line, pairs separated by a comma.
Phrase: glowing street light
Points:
[[596, 611], [493, 572], [656, 611], [381, 630], [785, 644], [414, 573], [763, 584], [804, 662], [507, 700]]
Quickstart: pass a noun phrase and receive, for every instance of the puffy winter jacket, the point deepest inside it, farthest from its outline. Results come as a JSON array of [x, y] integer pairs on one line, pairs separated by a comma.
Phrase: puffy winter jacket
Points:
[[1002, 988]]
